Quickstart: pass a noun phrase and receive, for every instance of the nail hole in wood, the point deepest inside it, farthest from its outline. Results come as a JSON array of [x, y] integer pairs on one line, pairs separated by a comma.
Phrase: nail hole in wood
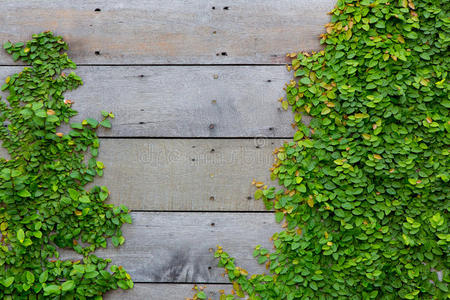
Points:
[[269, 80], [214, 32], [213, 7], [249, 198], [226, 8], [141, 122], [211, 126], [209, 268], [142, 75], [211, 198], [193, 159], [270, 128], [97, 52], [212, 150], [213, 224], [224, 54], [97, 9]]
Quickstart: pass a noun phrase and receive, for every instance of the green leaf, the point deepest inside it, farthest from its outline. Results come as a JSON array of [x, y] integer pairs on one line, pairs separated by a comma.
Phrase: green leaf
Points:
[[279, 216], [123, 284], [305, 80], [92, 122], [24, 193], [43, 277], [29, 276], [73, 194], [7, 281], [76, 125], [105, 123], [68, 285], [52, 290], [20, 235], [84, 199], [258, 194]]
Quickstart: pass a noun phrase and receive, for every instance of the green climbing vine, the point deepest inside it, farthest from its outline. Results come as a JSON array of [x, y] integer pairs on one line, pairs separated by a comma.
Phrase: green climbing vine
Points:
[[43, 203], [365, 197]]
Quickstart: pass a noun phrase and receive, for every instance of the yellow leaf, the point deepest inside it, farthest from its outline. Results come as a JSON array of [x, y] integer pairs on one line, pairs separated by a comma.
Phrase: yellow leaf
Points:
[[3, 226], [26, 50], [310, 202], [377, 156], [284, 105], [366, 136], [8, 79], [259, 184], [307, 108], [361, 116], [325, 111]]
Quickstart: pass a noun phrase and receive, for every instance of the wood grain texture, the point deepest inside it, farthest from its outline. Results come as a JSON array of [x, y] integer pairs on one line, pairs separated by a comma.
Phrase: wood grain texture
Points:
[[185, 174], [178, 247], [171, 32], [184, 101], [165, 291]]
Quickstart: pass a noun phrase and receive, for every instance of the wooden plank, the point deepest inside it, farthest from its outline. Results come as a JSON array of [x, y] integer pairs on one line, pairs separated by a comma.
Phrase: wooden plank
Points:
[[186, 174], [191, 174], [172, 247], [166, 291], [184, 101], [171, 32]]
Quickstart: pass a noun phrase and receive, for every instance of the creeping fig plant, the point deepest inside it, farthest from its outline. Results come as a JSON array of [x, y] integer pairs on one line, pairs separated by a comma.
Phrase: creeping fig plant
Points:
[[43, 203]]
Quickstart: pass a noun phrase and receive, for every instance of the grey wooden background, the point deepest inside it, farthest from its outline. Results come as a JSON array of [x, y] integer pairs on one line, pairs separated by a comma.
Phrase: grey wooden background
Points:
[[194, 85]]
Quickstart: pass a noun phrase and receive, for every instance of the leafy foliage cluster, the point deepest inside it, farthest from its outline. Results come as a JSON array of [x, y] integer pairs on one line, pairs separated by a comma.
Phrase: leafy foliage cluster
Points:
[[43, 203], [365, 197]]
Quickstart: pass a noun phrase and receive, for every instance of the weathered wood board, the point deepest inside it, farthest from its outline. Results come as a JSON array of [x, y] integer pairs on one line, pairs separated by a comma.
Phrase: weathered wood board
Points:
[[171, 32], [185, 174], [184, 101], [170, 247], [166, 291]]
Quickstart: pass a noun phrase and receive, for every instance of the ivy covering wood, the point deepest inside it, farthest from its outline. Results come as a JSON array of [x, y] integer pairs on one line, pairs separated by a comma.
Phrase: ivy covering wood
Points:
[[43, 203], [365, 197]]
